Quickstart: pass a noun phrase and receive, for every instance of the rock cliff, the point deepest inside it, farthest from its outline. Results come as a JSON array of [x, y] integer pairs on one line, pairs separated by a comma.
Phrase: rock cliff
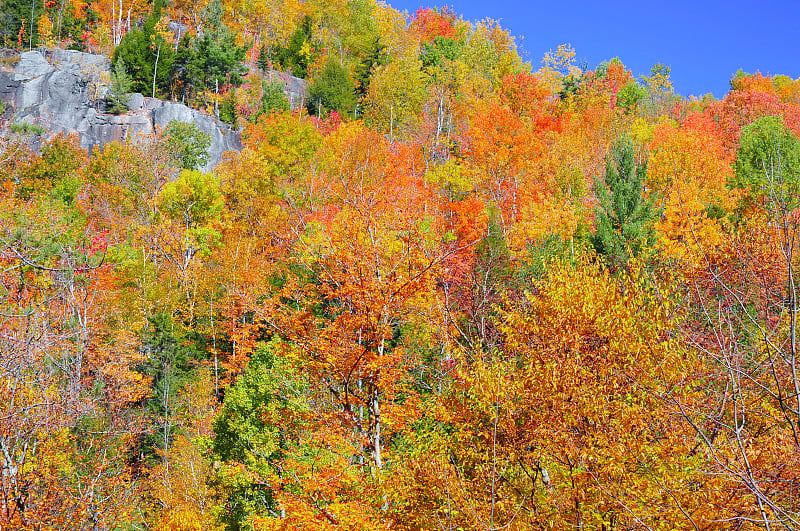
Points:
[[64, 91]]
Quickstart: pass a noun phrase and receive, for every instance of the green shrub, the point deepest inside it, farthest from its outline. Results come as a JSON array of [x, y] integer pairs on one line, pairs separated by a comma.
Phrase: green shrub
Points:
[[27, 128]]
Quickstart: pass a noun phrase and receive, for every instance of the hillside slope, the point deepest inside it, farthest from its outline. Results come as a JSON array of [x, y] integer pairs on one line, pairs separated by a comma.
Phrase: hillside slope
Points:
[[64, 91]]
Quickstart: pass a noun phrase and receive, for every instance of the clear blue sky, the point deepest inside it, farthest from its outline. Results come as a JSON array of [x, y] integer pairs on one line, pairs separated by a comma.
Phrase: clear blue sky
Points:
[[704, 42]]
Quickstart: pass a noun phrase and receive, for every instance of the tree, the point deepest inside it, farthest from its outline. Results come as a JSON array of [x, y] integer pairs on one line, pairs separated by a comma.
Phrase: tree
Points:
[[361, 269], [659, 95], [502, 149], [121, 183], [45, 26], [433, 23], [477, 288], [689, 169], [768, 166], [66, 384], [181, 485], [610, 453], [188, 224], [750, 99], [56, 173], [630, 96], [332, 90], [145, 55], [121, 85], [273, 97], [161, 36], [624, 217], [187, 144], [559, 72], [395, 96], [259, 428], [227, 110], [267, 187], [376, 56], [18, 23], [212, 60], [444, 72], [167, 364], [300, 50], [564, 425], [741, 307]]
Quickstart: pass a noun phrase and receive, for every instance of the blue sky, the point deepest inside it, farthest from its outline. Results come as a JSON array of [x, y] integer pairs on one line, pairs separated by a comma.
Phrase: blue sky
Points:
[[704, 42]]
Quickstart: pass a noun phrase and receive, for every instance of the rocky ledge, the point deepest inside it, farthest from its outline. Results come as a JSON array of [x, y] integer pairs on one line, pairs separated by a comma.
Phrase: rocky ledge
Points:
[[64, 91]]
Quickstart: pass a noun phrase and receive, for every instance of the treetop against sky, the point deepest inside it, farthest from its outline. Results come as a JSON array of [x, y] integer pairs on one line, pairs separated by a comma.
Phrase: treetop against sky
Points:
[[704, 42]]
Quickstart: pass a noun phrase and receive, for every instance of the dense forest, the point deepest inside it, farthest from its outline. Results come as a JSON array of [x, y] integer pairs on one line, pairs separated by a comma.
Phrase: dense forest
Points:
[[447, 290]]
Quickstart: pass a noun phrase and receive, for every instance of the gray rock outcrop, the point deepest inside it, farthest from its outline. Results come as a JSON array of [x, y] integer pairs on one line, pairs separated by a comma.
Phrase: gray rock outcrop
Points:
[[295, 87], [64, 91]]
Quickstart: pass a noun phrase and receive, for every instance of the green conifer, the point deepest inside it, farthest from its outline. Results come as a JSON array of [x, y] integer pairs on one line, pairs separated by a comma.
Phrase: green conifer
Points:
[[332, 90], [121, 85], [624, 217]]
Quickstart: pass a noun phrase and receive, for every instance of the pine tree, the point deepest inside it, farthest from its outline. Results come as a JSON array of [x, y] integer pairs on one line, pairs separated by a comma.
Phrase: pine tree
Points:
[[121, 85], [376, 56], [264, 58], [624, 217], [212, 60], [149, 65]]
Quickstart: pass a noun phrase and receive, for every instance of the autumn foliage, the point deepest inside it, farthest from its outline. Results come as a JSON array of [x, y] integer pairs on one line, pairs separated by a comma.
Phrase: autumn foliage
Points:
[[482, 296]]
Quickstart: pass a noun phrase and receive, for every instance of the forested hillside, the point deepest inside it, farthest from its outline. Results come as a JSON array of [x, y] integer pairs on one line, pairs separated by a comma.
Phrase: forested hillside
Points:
[[444, 289]]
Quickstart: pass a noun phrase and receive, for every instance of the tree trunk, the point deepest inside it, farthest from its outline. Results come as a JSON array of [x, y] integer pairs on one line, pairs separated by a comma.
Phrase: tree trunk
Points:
[[155, 70], [375, 412]]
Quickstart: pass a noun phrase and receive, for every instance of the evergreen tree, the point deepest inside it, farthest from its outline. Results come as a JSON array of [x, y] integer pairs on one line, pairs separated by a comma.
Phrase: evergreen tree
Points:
[[227, 111], [212, 59], [377, 56], [16, 15], [273, 97], [184, 58], [121, 85], [264, 58], [332, 90], [168, 365], [623, 217], [134, 50], [148, 60], [299, 51]]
